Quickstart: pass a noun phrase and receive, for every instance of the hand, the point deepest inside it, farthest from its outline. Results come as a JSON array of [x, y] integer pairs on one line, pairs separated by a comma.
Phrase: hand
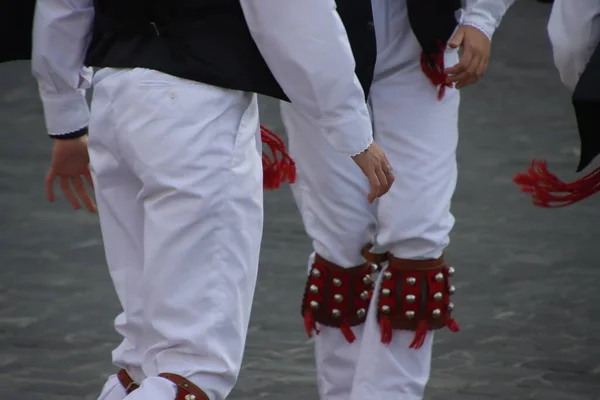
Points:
[[376, 167], [70, 162], [474, 59]]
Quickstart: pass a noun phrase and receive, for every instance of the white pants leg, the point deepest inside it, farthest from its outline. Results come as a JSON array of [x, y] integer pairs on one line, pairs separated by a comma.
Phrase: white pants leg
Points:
[[121, 220], [419, 135], [193, 149]]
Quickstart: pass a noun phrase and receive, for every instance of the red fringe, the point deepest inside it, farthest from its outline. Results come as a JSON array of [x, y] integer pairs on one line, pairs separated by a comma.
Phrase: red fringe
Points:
[[309, 323], [550, 192], [276, 170], [433, 67], [347, 332], [386, 329], [420, 336], [452, 325]]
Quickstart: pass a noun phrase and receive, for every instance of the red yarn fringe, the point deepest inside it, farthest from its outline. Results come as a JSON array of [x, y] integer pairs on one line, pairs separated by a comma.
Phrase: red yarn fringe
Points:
[[433, 67], [550, 192], [278, 167]]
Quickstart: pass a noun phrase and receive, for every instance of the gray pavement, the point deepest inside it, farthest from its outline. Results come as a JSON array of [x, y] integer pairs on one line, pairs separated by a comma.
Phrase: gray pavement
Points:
[[528, 298]]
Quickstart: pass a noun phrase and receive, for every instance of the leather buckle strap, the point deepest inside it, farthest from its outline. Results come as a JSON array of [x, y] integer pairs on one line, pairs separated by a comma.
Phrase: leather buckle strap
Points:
[[127, 381], [186, 390]]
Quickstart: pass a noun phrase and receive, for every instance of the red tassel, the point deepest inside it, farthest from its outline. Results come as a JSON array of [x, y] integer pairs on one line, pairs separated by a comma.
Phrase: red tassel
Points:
[[550, 192], [420, 336], [275, 170], [433, 67], [452, 324], [347, 332], [386, 329], [309, 323]]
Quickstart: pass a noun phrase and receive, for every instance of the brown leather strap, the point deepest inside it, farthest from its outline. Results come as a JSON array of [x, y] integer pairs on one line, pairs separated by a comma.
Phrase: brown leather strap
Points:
[[127, 381], [186, 390], [374, 258], [331, 266], [402, 264]]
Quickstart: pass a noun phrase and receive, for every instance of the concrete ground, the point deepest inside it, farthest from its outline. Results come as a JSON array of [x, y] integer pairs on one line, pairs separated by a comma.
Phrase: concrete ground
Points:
[[527, 299]]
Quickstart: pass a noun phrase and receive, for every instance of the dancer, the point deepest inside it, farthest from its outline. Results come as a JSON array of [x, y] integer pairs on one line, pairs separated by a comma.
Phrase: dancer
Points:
[[173, 136]]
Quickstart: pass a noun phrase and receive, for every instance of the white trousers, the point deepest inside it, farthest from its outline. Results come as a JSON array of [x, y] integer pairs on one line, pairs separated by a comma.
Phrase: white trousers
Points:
[[419, 135], [574, 31], [178, 182]]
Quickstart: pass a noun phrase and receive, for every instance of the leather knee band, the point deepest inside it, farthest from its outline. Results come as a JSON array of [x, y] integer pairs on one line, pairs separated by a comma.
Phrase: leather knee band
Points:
[[186, 390], [415, 295], [337, 297]]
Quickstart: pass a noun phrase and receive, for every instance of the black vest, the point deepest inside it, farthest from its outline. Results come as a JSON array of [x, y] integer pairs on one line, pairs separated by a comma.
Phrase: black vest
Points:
[[16, 20], [202, 40]]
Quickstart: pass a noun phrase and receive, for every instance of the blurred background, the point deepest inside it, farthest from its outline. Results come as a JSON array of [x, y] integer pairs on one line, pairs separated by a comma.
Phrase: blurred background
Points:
[[527, 279]]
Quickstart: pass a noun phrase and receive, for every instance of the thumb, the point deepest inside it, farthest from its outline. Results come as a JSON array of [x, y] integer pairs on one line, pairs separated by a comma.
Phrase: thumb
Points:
[[457, 39]]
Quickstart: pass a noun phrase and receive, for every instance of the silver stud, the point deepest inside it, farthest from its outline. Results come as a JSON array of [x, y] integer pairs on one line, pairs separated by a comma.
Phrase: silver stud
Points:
[[190, 397], [436, 313], [337, 282], [186, 385], [411, 280], [410, 298], [314, 305], [451, 290], [409, 314], [439, 277], [450, 306], [361, 313], [374, 267], [364, 295], [451, 271], [314, 289], [367, 279], [387, 275], [438, 296], [338, 298], [386, 292], [336, 313], [316, 273], [385, 309]]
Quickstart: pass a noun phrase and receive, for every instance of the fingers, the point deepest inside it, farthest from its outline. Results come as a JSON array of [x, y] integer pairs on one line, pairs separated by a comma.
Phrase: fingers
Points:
[[68, 192], [88, 178], [457, 39], [389, 179], [49, 184], [83, 195], [375, 185]]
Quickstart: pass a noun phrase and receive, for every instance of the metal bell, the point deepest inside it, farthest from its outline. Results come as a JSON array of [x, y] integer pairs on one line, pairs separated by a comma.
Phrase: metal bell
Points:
[[364, 295], [374, 267], [436, 313], [387, 275], [314, 305], [451, 271], [337, 282], [386, 292], [451, 290], [190, 397], [336, 313], [411, 280], [338, 298], [385, 309], [450, 306], [438, 296], [361, 313], [439, 277], [367, 279], [314, 289], [409, 314], [410, 298], [316, 273]]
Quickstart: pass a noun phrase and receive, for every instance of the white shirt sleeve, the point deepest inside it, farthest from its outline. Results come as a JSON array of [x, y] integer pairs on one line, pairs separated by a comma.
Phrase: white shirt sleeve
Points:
[[574, 31], [307, 49], [485, 15], [61, 34]]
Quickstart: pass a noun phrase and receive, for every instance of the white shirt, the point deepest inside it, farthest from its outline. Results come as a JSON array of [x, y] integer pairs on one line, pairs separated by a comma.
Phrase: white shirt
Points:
[[485, 14], [574, 30], [303, 43]]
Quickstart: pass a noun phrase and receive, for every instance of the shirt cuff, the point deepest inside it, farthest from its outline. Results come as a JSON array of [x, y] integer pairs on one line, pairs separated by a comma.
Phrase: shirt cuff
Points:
[[66, 113], [482, 22], [350, 135]]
